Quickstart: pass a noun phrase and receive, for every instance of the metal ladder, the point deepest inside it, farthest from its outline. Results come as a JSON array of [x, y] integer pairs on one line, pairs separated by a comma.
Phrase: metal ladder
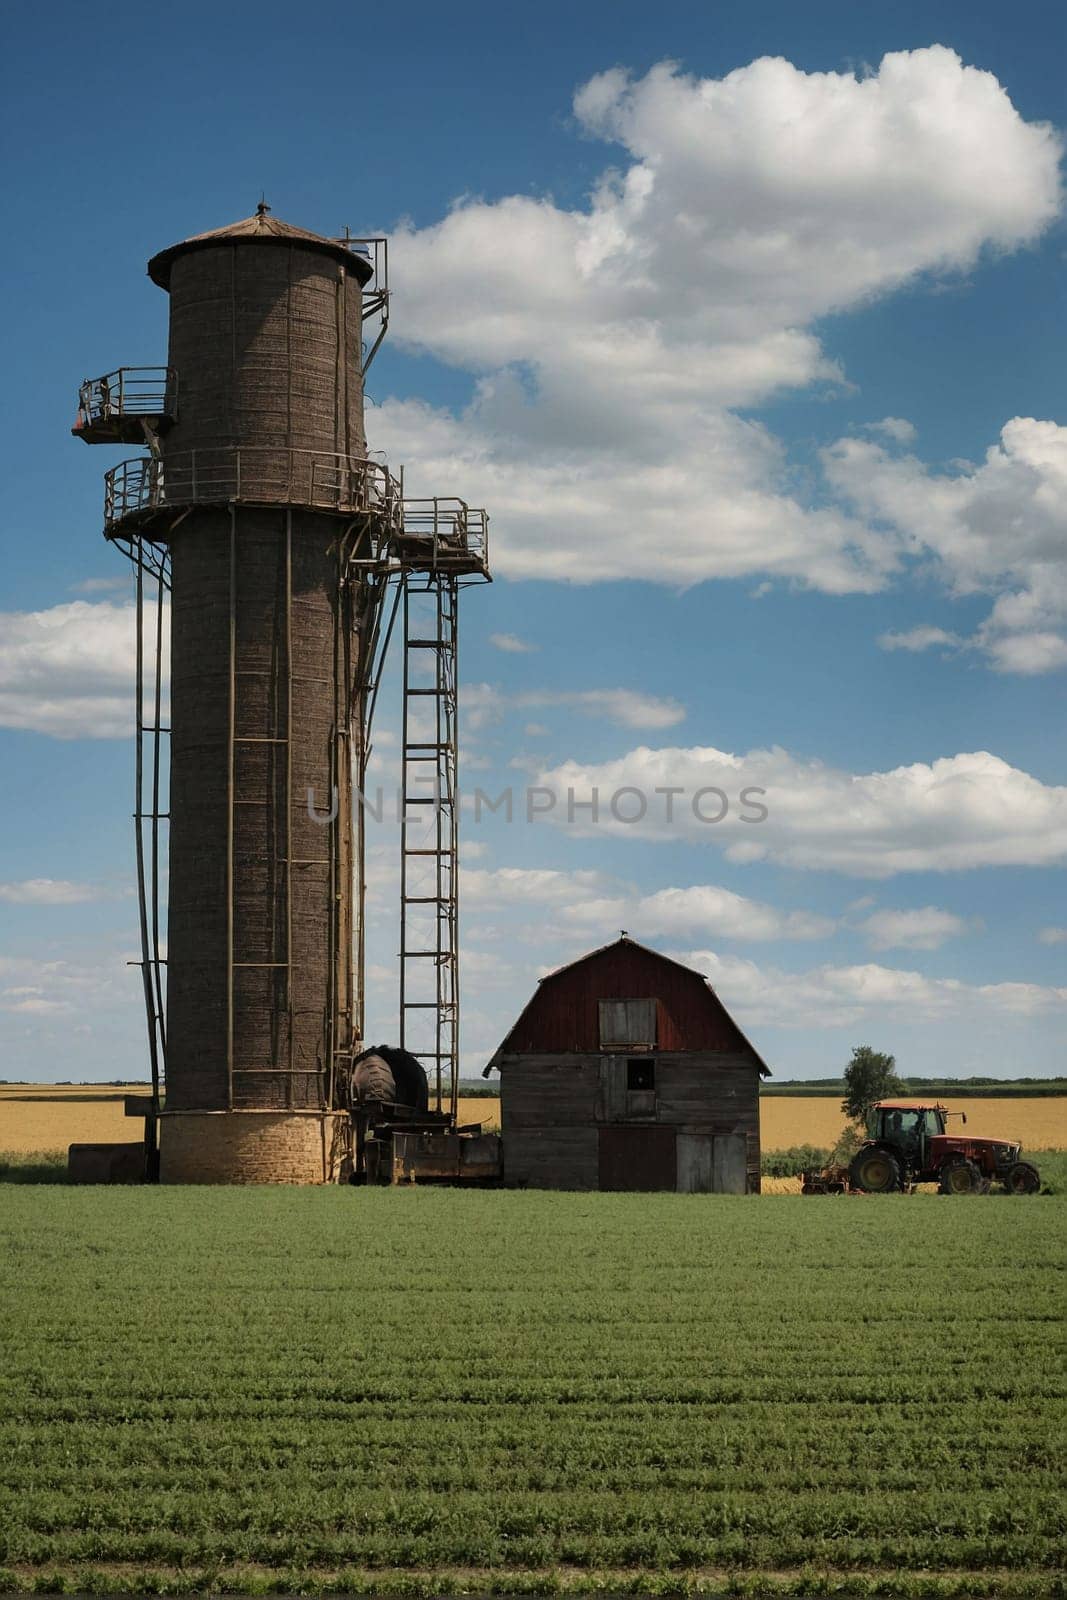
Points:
[[429, 850]]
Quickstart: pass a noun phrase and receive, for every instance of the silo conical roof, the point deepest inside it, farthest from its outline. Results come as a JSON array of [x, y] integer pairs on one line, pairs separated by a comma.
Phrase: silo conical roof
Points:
[[262, 228]]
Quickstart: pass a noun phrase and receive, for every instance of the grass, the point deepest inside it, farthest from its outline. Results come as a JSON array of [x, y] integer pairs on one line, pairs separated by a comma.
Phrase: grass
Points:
[[40, 1166], [428, 1391]]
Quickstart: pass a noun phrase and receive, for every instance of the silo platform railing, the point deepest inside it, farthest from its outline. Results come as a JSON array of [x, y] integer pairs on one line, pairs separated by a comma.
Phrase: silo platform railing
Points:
[[446, 535], [147, 489], [131, 405]]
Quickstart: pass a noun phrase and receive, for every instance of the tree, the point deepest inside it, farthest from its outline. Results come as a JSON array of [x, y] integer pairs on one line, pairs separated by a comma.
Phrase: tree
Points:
[[871, 1075]]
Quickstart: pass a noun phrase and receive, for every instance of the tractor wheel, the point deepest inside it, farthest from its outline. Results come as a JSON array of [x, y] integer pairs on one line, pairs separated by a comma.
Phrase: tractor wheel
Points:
[[962, 1177], [1022, 1178], [875, 1171]]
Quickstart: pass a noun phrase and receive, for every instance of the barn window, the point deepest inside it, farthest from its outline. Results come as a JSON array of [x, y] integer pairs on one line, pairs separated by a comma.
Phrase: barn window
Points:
[[640, 1074], [628, 1024]]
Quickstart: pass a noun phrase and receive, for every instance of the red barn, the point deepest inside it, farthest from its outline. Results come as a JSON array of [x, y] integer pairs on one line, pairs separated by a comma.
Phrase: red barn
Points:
[[626, 1071]]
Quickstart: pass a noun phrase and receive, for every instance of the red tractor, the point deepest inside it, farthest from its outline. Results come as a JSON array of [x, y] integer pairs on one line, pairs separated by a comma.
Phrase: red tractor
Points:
[[907, 1144]]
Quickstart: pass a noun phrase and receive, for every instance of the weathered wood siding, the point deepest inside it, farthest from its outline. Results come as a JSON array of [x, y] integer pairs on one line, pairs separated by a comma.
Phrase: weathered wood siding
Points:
[[552, 1158], [552, 1107]]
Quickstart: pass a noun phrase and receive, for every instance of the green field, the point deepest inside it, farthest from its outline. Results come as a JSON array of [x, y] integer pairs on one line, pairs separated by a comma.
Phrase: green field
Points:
[[431, 1392]]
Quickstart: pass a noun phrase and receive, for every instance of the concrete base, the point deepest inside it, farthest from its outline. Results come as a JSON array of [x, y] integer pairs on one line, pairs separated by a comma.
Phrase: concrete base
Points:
[[254, 1147]]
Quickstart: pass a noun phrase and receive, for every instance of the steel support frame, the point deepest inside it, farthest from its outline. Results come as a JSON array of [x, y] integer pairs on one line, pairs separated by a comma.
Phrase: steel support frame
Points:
[[152, 562]]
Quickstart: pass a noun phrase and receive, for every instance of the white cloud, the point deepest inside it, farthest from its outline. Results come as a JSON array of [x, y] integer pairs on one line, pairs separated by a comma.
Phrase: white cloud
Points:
[[481, 704], [1028, 654], [69, 671], [48, 892], [958, 812], [999, 527], [609, 343], [100, 585], [1053, 936], [511, 644], [31, 986], [923, 637], [594, 900], [833, 997], [925, 928], [700, 909], [625, 707], [26, 1001], [504, 886], [899, 429]]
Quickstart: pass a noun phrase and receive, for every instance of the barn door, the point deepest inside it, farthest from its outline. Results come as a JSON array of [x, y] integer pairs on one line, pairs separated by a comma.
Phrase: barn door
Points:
[[637, 1158], [729, 1167]]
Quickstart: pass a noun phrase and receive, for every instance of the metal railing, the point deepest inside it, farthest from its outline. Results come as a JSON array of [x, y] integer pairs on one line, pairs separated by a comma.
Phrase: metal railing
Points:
[[447, 530], [255, 473], [128, 392]]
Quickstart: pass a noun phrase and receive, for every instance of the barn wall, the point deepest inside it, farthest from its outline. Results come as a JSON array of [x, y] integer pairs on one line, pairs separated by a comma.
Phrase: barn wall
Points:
[[552, 1158], [564, 1014], [547, 1092], [708, 1092], [552, 1107]]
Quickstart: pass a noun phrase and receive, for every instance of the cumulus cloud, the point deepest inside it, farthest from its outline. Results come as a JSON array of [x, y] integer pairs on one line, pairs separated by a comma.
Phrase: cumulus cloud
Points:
[[925, 928], [100, 585], [483, 705], [923, 637], [593, 900], [952, 814], [545, 886], [899, 429], [998, 527], [511, 644], [1053, 936], [829, 996], [702, 908], [48, 892], [69, 671], [31, 986], [612, 344]]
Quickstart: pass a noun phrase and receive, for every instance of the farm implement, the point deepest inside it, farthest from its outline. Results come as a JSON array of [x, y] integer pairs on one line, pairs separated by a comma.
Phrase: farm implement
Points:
[[908, 1143]]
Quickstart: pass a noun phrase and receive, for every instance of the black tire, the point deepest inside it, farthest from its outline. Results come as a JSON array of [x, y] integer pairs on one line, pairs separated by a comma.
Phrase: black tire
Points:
[[875, 1171], [1022, 1178], [962, 1177]]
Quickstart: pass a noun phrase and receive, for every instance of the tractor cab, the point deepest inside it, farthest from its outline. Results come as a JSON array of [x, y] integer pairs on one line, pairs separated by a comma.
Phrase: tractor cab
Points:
[[907, 1126]]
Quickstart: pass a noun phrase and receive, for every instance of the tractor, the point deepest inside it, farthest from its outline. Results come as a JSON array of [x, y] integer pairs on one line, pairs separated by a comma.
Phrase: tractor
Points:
[[907, 1143]]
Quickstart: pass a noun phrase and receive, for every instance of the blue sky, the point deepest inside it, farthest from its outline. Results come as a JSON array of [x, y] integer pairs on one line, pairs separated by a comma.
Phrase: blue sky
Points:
[[656, 319]]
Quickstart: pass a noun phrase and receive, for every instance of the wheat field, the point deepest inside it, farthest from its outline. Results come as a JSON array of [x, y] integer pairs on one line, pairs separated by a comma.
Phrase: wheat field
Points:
[[37, 1116]]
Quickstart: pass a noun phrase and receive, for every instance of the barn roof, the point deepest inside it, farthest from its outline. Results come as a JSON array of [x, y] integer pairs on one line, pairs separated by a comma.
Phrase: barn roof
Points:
[[631, 944]]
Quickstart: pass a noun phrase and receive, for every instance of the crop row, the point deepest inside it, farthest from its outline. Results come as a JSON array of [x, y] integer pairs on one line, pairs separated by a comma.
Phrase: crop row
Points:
[[335, 1384]]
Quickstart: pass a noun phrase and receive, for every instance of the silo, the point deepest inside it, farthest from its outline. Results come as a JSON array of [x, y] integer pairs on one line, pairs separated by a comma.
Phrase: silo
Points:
[[255, 512], [269, 499]]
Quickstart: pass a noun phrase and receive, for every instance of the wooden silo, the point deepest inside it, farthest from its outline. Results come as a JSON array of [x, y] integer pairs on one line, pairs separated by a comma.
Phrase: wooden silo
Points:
[[626, 1071], [257, 508], [265, 330], [256, 516]]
